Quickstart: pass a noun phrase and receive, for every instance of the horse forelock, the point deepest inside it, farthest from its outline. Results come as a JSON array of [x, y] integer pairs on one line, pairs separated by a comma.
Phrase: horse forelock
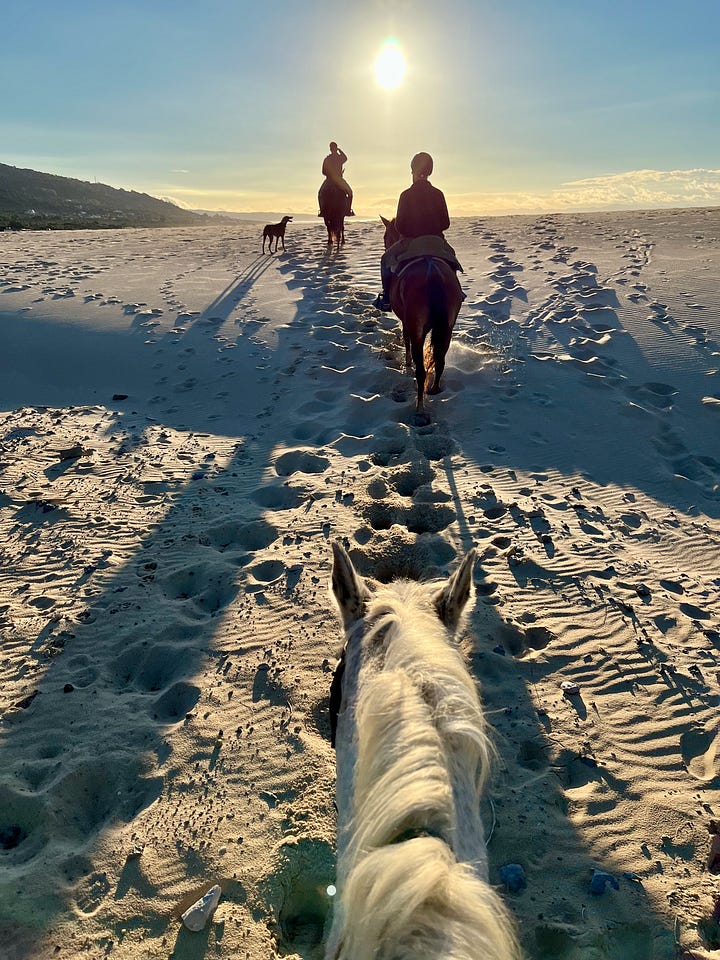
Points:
[[405, 609]]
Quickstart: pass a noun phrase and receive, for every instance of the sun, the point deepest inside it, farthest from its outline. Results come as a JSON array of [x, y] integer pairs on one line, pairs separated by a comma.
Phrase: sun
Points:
[[390, 65]]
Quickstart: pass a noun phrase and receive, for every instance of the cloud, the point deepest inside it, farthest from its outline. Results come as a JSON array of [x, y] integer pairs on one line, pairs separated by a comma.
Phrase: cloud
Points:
[[635, 189], [176, 202]]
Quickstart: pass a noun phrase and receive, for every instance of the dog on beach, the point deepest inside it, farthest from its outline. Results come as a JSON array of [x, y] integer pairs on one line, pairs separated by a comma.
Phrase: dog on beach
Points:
[[412, 758], [275, 231]]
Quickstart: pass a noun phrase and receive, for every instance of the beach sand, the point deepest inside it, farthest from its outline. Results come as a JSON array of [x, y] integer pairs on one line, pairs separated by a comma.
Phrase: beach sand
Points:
[[187, 425]]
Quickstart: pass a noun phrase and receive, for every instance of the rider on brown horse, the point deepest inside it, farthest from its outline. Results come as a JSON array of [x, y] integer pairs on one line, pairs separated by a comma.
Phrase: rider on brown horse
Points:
[[332, 170], [421, 212]]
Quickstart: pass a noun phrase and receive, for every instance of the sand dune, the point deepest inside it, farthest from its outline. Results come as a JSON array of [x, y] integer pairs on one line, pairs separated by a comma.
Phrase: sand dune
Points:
[[188, 424]]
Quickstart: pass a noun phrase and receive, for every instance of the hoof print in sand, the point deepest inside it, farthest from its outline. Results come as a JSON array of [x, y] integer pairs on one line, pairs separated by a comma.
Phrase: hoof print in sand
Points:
[[520, 640], [300, 461], [278, 497], [21, 830], [268, 571], [151, 669], [403, 555], [176, 702], [209, 586], [298, 894], [255, 535]]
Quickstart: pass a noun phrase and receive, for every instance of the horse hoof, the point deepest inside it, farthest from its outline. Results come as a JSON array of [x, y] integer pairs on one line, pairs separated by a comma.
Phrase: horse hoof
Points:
[[422, 419]]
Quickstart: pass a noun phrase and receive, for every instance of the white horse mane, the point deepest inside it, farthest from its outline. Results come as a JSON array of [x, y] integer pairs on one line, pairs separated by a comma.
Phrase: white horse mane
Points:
[[412, 870]]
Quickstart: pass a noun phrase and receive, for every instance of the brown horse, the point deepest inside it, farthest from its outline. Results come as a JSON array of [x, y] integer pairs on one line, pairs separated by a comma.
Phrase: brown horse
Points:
[[333, 207], [425, 294]]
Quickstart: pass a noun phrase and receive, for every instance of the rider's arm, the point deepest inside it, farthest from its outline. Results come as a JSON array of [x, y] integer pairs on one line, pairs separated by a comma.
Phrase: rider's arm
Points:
[[402, 216], [342, 155], [443, 215]]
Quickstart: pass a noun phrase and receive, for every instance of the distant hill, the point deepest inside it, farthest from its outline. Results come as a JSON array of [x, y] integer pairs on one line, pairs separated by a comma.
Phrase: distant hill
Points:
[[33, 200]]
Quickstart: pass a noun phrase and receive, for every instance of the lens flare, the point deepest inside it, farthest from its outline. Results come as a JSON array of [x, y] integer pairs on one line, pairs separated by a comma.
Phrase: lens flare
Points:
[[390, 65]]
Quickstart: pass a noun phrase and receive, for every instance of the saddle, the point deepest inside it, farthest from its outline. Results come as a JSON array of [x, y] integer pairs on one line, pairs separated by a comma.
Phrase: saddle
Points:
[[416, 248]]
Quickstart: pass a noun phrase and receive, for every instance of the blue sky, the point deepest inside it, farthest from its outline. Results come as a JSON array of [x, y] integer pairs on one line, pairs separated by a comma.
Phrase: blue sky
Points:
[[525, 104]]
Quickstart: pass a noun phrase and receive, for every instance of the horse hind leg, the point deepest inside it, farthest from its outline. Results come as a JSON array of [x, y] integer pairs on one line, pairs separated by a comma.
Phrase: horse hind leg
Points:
[[420, 374], [440, 348], [408, 352]]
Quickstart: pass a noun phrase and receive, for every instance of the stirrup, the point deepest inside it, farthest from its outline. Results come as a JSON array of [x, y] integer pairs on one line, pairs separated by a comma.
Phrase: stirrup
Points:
[[382, 302]]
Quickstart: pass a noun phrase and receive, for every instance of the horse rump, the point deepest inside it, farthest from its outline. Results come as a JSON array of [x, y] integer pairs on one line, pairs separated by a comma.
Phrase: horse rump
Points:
[[333, 203], [442, 316]]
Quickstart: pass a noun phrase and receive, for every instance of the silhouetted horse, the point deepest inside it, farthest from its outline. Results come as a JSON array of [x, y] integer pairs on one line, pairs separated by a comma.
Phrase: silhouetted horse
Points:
[[333, 206], [425, 294]]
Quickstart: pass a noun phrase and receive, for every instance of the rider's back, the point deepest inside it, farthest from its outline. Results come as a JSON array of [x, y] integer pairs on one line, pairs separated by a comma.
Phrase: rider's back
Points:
[[422, 211]]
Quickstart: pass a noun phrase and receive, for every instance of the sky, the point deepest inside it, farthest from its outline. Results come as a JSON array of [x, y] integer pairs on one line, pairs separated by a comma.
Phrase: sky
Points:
[[525, 105]]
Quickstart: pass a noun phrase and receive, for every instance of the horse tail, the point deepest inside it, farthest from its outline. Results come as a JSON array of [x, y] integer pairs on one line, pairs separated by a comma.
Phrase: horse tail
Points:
[[438, 316], [414, 899]]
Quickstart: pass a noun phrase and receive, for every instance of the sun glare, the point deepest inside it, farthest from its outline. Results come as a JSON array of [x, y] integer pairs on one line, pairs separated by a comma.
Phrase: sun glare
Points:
[[390, 66]]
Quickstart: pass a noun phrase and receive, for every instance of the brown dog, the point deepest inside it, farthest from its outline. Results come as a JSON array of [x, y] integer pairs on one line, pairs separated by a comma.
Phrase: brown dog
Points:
[[276, 230]]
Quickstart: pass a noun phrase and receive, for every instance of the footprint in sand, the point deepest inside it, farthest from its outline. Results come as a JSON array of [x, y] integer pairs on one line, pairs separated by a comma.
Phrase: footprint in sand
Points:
[[703, 471], [700, 751], [659, 395], [90, 893], [533, 755]]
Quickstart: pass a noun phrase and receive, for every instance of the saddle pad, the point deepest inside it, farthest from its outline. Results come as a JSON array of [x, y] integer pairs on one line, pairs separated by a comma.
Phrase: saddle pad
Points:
[[429, 246]]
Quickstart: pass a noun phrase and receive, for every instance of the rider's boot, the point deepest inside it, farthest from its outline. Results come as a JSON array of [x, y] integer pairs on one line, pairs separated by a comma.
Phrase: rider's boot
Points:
[[382, 301]]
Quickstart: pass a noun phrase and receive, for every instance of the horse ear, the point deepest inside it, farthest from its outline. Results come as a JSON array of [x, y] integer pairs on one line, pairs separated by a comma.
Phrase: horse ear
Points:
[[386, 222], [450, 601], [349, 589]]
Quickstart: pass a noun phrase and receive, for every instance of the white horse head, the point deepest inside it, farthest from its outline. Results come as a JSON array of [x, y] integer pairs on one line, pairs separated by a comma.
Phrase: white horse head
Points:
[[412, 757]]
